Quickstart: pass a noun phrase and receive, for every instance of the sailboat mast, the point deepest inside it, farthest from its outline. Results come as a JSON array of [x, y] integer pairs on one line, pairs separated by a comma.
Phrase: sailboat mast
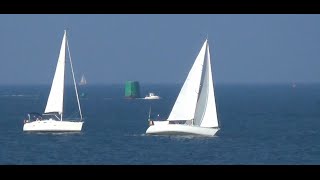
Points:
[[149, 112], [74, 81]]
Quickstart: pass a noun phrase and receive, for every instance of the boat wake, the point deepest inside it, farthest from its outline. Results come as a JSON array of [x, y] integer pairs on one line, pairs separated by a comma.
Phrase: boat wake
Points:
[[18, 95]]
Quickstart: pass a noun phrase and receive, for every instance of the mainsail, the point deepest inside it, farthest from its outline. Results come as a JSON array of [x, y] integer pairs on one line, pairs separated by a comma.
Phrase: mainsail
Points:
[[206, 114], [185, 105], [196, 99], [55, 100], [83, 80]]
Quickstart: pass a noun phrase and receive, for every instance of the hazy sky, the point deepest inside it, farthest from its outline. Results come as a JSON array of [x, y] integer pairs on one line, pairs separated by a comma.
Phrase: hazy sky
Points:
[[161, 48]]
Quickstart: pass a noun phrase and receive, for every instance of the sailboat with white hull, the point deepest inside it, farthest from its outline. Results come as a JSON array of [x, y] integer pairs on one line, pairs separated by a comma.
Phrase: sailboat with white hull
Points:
[[194, 112], [53, 117]]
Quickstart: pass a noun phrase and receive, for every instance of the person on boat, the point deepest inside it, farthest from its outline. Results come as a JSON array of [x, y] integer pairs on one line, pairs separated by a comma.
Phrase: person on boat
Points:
[[151, 122]]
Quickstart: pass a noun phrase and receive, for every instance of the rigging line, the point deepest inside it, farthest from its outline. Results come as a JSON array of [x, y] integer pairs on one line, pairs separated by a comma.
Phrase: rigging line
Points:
[[74, 82]]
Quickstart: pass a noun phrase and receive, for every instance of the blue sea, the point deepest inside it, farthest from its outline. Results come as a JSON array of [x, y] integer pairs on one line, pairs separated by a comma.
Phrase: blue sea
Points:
[[260, 124]]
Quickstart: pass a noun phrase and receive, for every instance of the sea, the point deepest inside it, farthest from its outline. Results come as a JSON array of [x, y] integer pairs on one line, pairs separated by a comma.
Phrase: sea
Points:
[[260, 124]]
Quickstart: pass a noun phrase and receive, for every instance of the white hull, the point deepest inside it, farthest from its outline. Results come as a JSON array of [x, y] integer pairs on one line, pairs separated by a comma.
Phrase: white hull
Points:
[[52, 126], [152, 97], [179, 129]]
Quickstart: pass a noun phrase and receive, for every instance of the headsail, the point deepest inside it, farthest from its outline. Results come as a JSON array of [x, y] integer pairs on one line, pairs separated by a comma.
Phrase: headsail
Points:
[[55, 99]]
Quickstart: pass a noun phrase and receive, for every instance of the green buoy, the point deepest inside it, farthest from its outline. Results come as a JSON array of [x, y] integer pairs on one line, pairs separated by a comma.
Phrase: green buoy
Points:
[[132, 89]]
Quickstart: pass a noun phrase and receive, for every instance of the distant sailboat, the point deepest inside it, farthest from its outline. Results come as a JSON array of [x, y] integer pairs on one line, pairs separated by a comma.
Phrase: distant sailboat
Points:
[[53, 117], [194, 112], [83, 81], [83, 95]]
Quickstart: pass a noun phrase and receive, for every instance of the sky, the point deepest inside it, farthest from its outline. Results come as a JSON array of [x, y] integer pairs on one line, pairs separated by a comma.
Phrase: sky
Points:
[[161, 48]]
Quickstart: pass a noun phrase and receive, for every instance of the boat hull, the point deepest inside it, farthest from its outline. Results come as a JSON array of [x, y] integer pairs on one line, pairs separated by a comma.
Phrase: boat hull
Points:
[[152, 97], [53, 126], [180, 129]]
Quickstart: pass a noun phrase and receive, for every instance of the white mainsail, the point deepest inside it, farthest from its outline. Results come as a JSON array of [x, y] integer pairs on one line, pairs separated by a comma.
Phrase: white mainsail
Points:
[[55, 99], [185, 105], [83, 80], [206, 114]]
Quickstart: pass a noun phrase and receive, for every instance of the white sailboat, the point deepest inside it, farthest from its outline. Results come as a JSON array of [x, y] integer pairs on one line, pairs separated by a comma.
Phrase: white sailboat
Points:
[[194, 112], [83, 81], [52, 119]]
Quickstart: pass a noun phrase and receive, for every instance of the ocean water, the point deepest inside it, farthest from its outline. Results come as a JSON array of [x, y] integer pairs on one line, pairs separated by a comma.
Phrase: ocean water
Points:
[[260, 124]]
